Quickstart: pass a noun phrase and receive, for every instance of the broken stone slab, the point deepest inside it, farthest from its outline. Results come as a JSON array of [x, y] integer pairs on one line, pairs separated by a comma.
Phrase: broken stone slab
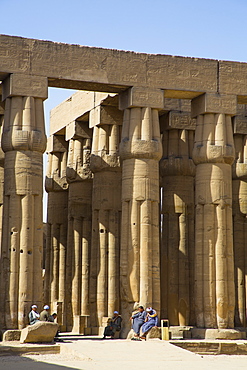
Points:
[[11, 335], [154, 333], [40, 332]]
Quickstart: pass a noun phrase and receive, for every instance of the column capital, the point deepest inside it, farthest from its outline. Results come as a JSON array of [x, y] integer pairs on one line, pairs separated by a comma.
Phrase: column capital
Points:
[[141, 97], [214, 103], [18, 84]]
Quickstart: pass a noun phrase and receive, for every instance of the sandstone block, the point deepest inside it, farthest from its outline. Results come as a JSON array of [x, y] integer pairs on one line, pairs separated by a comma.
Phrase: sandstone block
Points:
[[56, 144], [41, 332], [11, 335], [154, 333], [77, 130], [240, 125], [25, 85], [141, 97], [214, 103], [233, 78], [178, 120], [223, 334], [105, 115], [79, 324], [131, 334]]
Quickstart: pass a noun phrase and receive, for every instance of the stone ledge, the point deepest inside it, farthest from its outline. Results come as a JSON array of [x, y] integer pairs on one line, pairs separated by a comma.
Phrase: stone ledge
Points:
[[232, 334], [17, 349], [214, 347]]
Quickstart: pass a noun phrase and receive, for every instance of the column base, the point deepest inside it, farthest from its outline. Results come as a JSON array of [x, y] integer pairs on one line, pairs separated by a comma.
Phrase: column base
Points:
[[211, 334], [79, 324]]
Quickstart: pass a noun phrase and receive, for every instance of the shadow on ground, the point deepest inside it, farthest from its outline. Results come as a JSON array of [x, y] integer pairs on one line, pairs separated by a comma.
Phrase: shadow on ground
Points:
[[22, 363]]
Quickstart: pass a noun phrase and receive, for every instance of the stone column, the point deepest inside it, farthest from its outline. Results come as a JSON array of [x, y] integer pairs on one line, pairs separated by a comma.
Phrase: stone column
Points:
[[57, 221], [1, 168], [23, 142], [140, 151], [177, 241], [213, 155], [79, 177], [106, 212], [239, 189]]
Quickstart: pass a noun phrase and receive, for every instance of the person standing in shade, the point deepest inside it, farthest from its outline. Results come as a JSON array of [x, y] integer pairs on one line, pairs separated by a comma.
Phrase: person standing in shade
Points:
[[44, 314], [150, 321], [33, 315], [138, 320], [115, 325]]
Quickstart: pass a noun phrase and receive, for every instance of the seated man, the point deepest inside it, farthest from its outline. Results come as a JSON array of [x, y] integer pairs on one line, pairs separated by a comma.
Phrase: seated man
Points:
[[138, 320], [115, 325], [44, 314], [150, 321], [33, 315], [52, 317]]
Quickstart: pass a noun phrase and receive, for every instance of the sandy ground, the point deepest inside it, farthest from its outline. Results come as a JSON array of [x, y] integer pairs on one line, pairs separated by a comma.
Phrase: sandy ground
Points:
[[92, 354]]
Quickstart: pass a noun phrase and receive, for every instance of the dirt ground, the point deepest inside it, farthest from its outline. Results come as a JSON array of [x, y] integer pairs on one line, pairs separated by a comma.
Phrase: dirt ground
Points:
[[92, 354]]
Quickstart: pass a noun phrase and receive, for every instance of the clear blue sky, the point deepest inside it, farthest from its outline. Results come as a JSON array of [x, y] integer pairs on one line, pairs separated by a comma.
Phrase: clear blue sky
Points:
[[208, 29]]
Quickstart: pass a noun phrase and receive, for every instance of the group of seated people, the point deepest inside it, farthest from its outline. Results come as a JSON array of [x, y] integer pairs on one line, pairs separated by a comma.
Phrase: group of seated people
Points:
[[34, 316], [142, 322]]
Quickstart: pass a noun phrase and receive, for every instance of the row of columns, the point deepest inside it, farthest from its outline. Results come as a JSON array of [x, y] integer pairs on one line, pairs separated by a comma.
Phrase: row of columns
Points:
[[93, 266]]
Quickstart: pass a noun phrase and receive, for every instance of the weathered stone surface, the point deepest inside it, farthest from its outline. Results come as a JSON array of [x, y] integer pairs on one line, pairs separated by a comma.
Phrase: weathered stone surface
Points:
[[223, 334], [232, 79], [240, 125], [141, 97], [105, 115], [25, 85], [154, 333], [77, 129], [40, 332], [11, 335], [214, 103], [178, 120], [85, 68]]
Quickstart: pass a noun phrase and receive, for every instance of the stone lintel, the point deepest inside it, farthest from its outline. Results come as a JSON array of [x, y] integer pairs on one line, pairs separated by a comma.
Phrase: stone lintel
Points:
[[141, 97], [240, 125], [105, 115], [178, 120], [214, 103], [75, 130], [18, 84], [56, 144]]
